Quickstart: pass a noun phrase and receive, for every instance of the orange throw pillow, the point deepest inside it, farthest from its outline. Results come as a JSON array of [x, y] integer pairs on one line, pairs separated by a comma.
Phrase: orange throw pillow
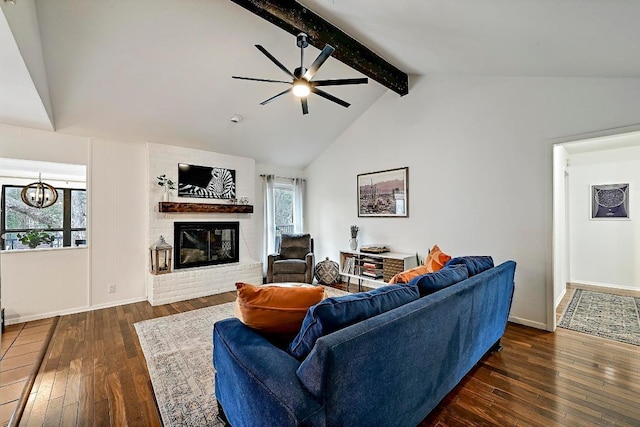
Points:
[[436, 259], [434, 262], [407, 275], [275, 309]]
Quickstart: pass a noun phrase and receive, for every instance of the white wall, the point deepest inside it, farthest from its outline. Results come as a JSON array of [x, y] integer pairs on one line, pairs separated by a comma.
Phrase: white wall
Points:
[[604, 252], [76, 278], [480, 171], [118, 219], [41, 283]]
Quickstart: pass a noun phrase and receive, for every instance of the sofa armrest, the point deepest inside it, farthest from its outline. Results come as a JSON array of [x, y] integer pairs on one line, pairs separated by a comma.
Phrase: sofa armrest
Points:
[[256, 382]]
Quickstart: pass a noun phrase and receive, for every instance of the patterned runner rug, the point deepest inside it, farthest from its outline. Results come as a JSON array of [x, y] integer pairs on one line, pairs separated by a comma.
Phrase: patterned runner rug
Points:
[[179, 353], [604, 315]]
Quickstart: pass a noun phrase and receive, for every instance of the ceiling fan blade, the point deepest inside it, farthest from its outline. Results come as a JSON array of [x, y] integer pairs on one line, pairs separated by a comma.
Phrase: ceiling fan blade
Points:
[[305, 106], [324, 55], [340, 82], [274, 97], [275, 61], [330, 97], [259, 80]]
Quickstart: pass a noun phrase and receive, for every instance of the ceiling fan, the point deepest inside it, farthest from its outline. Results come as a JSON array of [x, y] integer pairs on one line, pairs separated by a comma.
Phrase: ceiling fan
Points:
[[302, 85]]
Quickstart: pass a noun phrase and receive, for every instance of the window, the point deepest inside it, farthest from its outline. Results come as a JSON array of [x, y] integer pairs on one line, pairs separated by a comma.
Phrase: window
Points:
[[65, 222], [283, 204]]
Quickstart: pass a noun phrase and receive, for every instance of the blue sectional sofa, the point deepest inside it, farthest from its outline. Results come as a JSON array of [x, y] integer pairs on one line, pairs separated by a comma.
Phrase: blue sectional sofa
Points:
[[391, 369]]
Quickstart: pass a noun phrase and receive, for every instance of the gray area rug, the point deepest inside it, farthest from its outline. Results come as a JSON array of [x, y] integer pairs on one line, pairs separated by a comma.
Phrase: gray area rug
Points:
[[604, 315], [179, 353]]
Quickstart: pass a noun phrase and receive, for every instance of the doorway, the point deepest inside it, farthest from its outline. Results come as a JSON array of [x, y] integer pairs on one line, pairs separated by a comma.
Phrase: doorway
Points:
[[594, 252]]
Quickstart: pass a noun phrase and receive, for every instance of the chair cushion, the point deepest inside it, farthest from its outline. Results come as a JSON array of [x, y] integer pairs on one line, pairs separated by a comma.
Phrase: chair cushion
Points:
[[475, 264], [295, 246], [436, 259], [336, 313], [445, 277], [275, 309], [289, 266]]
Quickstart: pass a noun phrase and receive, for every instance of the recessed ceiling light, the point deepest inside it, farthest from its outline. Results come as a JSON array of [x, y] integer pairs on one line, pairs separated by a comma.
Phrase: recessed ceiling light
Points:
[[236, 118]]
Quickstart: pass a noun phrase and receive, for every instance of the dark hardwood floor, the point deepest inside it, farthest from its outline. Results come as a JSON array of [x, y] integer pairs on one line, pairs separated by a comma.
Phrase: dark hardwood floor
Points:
[[95, 374]]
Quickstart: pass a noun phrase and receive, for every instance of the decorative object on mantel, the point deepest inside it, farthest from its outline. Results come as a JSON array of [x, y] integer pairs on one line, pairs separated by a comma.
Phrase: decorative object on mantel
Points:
[[39, 194], [384, 193], [173, 207], [160, 253], [244, 200], [353, 242], [167, 184]]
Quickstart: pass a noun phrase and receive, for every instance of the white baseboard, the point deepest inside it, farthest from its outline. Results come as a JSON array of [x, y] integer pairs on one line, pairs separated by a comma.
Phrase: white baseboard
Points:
[[526, 322], [559, 299], [602, 285], [23, 319]]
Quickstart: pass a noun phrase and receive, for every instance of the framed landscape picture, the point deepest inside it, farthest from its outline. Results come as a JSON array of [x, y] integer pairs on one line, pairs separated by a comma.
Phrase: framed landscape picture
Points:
[[610, 201], [206, 182], [384, 193]]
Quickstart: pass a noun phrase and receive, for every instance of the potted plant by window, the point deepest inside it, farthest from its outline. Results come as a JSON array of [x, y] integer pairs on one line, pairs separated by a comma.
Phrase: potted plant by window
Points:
[[167, 184], [34, 238]]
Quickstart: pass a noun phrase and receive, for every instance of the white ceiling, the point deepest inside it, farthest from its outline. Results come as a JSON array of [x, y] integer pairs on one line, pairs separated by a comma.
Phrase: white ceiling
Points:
[[160, 70]]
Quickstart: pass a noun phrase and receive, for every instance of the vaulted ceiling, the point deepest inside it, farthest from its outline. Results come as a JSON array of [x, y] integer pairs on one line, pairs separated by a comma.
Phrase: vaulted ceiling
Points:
[[160, 70]]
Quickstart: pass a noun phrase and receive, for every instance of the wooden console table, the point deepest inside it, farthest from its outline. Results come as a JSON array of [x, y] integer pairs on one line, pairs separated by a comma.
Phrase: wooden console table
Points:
[[174, 207], [376, 269]]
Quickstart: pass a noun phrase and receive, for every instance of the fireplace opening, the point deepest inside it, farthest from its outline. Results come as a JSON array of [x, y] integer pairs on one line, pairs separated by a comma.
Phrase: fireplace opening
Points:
[[205, 243]]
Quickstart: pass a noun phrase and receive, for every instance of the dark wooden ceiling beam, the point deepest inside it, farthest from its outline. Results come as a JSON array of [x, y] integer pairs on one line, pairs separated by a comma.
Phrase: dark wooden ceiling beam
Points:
[[294, 18]]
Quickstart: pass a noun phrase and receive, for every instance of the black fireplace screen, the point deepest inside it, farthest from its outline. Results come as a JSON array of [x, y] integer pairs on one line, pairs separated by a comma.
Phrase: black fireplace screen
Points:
[[205, 243]]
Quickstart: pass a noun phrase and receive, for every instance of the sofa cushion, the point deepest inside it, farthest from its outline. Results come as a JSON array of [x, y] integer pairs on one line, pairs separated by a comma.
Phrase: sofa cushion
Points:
[[275, 309], [475, 264], [336, 313], [436, 259], [445, 277]]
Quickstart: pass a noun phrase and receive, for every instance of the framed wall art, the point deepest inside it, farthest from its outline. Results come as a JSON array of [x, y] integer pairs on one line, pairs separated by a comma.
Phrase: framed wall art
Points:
[[206, 182], [384, 193], [610, 201]]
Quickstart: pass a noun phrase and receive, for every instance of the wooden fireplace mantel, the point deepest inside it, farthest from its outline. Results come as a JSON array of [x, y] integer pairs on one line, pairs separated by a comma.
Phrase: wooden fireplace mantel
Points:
[[174, 207]]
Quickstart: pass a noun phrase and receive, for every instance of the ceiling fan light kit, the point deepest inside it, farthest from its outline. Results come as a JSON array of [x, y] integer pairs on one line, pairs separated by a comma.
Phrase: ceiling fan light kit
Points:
[[301, 83], [301, 89]]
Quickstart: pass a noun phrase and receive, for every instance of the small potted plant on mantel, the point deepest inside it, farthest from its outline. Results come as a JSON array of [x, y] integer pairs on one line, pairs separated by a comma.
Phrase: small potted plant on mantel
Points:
[[34, 238], [167, 184]]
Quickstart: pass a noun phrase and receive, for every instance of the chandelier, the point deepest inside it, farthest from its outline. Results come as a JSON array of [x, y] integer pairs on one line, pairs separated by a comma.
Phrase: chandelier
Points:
[[39, 194]]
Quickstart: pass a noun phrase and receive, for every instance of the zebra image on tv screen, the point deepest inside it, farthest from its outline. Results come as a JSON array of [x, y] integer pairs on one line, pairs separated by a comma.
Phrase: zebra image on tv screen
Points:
[[206, 182]]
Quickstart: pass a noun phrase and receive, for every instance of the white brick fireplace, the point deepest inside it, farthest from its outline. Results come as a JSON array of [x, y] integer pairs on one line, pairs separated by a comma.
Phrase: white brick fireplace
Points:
[[196, 282]]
